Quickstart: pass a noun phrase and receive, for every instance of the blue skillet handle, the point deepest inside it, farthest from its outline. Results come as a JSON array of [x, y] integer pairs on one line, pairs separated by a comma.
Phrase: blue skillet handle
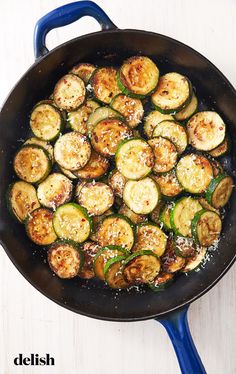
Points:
[[176, 325], [65, 15]]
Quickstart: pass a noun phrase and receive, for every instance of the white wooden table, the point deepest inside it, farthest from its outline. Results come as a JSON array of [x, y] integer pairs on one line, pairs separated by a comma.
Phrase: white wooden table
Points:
[[32, 323]]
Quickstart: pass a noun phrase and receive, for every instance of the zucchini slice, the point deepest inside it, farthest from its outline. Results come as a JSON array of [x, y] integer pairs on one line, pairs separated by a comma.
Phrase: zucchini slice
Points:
[[84, 71], [65, 259], [69, 92], [78, 118], [206, 227], [165, 217], [219, 191], [104, 112], [134, 158], [96, 222], [222, 149], [135, 218], [173, 93], [141, 267], [117, 181], [113, 271], [104, 84], [169, 184], [161, 281], [194, 172], [138, 77], [184, 247], [182, 213], [42, 143], [141, 196], [22, 199], [72, 151], [194, 262], [68, 173], [170, 261], [189, 110], [150, 236], [89, 250], [116, 230], [107, 134], [55, 190], [39, 226], [206, 130], [46, 121], [130, 108], [103, 256], [174, 132], [95, 167], [96, 198], [152, 120], [165, 154], [32, 163], [72, 222], [216, 167]]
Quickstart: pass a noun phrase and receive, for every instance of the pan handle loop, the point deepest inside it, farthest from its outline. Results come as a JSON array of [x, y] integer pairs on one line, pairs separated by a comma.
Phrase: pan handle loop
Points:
[[176, 325], [65, 15]]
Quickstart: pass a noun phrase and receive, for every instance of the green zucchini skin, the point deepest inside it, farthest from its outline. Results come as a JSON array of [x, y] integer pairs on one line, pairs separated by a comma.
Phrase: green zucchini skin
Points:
[[212, 187], [195, 223]]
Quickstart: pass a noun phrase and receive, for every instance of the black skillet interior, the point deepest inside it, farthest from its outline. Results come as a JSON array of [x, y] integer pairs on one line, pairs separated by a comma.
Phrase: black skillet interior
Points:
[[109, 48]]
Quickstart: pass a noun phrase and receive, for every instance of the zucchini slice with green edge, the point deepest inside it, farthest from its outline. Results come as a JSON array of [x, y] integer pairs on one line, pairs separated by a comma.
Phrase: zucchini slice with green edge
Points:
[[96, 222], [55, 190], [104, 84], [134, 158], [184, 247], [130, 108], [107, 134], [141, 267], [219, 191], [170, 261], [206, 130], [206, 227], [169, 184], [150, 236], [83, 70], [42, 143], [117, 181], [174, 132], [165, 217], [39, 227], [194, 173], [69, 92], [78, 118], [189, 110], [65, 259], [222, 149], [135, 218], [96, 198], [161, 282], [103, 256], [89, 250], [173, 93], [32, 163], [195, 262], [95, 167], [104, 112], [182, 213], [113, 271], [165, 154], [46, 121], [141, 196], [68, 173], [72, 151], [138, 77], [152, 120], [22, 199], [72, 222]]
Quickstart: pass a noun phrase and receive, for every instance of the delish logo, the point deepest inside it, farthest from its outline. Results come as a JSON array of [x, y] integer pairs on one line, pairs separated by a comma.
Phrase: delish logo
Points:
[[34, 359]]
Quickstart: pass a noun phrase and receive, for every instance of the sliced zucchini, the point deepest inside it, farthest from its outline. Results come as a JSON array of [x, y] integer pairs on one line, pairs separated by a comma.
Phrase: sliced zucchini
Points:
[[169, 184], [155, 214], [219, 191], [55, 190], [89, 250], [135, 218], [151, 237], [65, 259], [182, 213], [46, 121], [206, 130], [39, 226], [204, 203], [141, 196], [84, 71], [72, 151], [194, 172], [22, 199], [99, 115], [96, 198], [216, 167], [138, 76], [134, 158], [174, 132], [115, 230], [194, 262], [117, 181], [96, 221], [173, 93], [69, 92], [161, 281], [165, 217], [189, 110], [107, 134], [103, 256], [113, 271], [165, 154], [95, 167], [152, 120], [141, 267], [184, 247], [130, 108], [170, 261], [222, 149], [32, 163], [72, 222], [42, 143], [104, 84], [206, 227], [68, 173], [78, 118]]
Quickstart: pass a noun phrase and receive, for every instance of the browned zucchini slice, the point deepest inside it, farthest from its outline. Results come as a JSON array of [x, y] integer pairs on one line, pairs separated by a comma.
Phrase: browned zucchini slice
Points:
[[96, 198], [78, 118], [83, 70], [96, 221], [130, 108], [173, 131], [39, 226], [46, 121], [168, 183], [220, 190], [104, 84], [170, 262], [165, 154], [222, 149], [150, 236], [113, 271], [95, 167], [152, 120], [42, 143], [69, 92], [89, 250], [117, 181], [206, 227], [105, 254]]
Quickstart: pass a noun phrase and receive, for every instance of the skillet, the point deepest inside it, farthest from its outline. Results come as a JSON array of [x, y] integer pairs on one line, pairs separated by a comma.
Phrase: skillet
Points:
[[108, 47]]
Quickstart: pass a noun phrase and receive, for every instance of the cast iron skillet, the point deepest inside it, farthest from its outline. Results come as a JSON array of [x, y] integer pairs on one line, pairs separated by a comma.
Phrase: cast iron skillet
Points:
[[110, 46]]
